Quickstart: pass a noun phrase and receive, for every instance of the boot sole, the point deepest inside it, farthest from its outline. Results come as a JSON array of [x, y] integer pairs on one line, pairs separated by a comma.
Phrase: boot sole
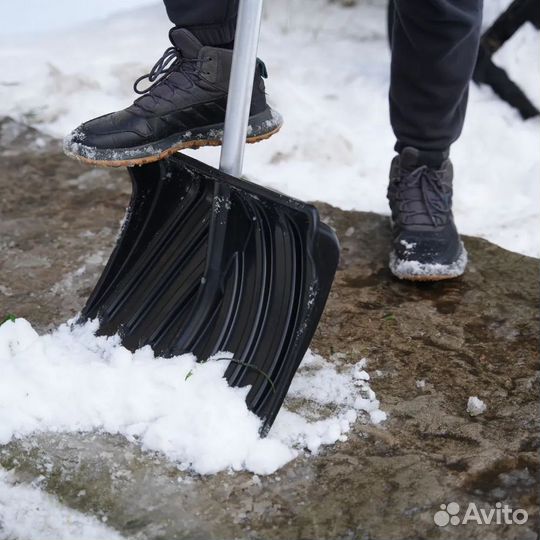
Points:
[[426, 279], [158, 154], [416, 271]]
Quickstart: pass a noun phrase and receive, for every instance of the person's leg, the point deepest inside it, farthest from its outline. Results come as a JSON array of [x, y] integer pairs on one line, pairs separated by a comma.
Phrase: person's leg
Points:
[[434, 50], [212, 22]]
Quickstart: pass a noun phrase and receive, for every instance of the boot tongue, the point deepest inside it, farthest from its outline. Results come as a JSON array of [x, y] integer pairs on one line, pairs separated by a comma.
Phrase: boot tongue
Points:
[[185, 42]]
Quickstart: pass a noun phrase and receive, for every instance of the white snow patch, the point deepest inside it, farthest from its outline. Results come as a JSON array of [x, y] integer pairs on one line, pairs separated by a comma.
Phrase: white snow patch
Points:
[[28, 513], [407, 245], [405, 269], [345, 390], [71, 380], [475, 406], [339, 154], [377, 416]]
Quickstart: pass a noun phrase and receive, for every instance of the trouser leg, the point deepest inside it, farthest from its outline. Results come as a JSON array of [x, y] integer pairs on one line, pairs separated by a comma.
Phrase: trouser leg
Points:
[[213, 22], [434, 49]]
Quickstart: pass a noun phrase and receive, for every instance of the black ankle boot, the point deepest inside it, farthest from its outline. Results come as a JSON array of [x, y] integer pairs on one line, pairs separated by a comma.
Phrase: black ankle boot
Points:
[[182, 107], [426, 244]]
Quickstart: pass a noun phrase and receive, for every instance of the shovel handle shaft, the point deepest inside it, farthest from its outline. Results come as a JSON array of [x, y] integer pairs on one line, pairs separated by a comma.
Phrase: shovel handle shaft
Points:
[[241, 86]]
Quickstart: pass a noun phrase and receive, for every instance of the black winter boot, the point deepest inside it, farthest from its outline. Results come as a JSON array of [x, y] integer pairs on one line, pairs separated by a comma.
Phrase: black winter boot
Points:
[[426, 244], [184, 107]]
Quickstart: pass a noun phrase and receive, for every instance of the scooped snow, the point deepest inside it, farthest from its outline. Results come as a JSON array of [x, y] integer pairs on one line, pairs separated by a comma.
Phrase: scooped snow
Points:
[[475, 406], [28, 513], [70, 380]]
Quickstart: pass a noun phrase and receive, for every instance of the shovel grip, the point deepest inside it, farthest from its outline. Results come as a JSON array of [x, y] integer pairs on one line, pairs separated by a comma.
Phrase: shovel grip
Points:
[[240, 86]]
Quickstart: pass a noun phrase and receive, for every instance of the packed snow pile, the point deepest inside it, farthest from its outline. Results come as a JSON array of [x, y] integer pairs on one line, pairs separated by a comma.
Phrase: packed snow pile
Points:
[[70, 380]]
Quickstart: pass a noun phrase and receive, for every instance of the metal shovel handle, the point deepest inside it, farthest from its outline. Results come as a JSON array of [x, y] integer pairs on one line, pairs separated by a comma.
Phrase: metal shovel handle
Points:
[[241, 86]]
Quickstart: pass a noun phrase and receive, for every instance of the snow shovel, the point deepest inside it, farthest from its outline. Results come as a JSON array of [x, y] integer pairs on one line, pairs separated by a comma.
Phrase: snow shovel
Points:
[[209, 262]]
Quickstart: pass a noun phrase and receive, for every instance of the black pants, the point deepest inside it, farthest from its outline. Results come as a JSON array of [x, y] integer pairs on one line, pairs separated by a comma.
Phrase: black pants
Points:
[[434, 49]]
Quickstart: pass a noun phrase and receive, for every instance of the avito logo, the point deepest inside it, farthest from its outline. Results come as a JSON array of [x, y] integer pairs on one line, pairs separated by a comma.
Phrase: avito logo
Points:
[[501, 514]]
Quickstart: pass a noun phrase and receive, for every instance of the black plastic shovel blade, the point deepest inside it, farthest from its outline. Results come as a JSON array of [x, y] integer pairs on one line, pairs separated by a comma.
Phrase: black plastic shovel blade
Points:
[[206, 263]]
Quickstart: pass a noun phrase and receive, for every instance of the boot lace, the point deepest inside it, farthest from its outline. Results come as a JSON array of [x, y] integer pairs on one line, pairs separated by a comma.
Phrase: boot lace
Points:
[[171, 61], [423, 185]]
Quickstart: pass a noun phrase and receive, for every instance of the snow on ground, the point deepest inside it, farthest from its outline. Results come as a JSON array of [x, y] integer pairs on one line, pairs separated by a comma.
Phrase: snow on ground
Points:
[[28, 513], [21, 18], [475, 406], [70, 380], [329, 77]]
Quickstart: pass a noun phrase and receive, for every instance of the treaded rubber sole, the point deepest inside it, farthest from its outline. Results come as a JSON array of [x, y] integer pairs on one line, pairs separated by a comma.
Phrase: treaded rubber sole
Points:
[[416, 271], [151, 152]]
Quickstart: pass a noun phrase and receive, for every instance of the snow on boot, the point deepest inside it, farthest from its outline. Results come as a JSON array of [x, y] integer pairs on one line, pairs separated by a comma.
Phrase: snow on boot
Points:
[[426, 244], [183, 107]]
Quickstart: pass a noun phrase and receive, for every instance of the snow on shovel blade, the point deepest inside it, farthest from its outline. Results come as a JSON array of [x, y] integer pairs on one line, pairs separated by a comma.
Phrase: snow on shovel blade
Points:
[[207, 262]]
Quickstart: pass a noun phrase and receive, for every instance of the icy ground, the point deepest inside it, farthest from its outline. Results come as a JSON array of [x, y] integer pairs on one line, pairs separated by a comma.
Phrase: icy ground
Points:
[[28, 513], [328, 76]]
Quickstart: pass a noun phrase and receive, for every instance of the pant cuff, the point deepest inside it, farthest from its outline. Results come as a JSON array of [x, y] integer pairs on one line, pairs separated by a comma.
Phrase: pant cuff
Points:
[[214, 35]]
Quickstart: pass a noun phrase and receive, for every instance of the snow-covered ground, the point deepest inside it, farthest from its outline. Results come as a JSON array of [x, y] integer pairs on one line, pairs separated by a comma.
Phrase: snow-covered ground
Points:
[[328, 76], [31, 17], [71, 380], [28, 513]]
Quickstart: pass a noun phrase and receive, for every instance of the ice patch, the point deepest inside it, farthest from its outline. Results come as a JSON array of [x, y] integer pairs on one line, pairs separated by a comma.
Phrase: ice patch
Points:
[[71, 380], [28, 513]]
